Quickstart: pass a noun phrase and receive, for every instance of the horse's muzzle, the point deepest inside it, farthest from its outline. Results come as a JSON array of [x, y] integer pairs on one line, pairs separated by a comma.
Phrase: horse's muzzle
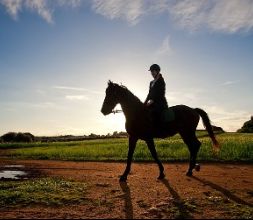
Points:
[[104, 112]]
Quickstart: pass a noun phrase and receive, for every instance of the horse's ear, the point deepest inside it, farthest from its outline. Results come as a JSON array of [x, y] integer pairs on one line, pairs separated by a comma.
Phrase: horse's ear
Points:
[[110, 83]]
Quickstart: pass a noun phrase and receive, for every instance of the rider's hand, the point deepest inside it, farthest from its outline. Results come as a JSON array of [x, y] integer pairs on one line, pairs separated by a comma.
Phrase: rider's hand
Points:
[[150, 102]]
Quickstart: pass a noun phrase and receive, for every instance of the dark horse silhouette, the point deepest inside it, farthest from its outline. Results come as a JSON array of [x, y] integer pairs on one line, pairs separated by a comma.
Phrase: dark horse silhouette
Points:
[[139, 125]]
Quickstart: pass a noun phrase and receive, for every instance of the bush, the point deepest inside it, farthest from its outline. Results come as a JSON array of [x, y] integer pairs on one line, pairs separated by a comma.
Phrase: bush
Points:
[[17, 137], [30, 135], [218, 129], [21, 137], [9, 137], [247, 127]]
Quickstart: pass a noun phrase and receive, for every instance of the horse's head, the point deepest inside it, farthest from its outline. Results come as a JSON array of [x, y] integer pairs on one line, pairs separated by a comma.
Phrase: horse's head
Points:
[[111, 98]]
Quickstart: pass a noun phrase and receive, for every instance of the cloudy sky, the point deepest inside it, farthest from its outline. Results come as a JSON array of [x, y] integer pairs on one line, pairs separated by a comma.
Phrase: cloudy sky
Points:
[[56, 57]]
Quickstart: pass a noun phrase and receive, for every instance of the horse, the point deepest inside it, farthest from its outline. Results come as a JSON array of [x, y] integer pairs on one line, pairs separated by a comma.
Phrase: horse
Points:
[[139, 126]]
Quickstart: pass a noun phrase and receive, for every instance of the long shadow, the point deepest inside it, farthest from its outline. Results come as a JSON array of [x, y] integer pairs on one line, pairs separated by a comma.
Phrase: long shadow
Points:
[[127, 198], [178, 202], [226, 192]]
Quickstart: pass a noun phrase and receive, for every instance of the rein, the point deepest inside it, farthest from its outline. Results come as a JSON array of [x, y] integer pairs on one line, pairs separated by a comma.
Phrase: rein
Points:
[[117, 111]]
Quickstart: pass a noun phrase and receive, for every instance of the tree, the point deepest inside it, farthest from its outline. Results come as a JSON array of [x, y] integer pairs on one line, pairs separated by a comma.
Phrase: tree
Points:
[[21, 137], [247, 126], [17, 137], [30, 135], [218, 129], [115, 134], [9, 137]]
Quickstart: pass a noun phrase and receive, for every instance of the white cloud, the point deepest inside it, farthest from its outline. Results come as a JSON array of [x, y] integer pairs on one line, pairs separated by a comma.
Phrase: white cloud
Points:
[[40, 91], [43, 8], [77, 89], [44, 105], [129, 10], [76, 97], [15, 106], [164, 49], [12, 7], [189, 95], [230, 120], [230, 83], [228, 16], [216, 15], [71, 3], [232, 16], [69, 88]]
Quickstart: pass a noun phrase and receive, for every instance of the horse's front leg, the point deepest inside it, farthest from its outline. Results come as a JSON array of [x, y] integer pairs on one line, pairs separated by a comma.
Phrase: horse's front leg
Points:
[[151, 147], [132, 145]]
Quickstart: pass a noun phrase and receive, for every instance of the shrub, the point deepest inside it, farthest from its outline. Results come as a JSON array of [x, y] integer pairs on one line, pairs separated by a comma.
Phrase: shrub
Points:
[[17, 137], [30, 135], [218, 129], [247, 127], [9, 137], [22, 137]]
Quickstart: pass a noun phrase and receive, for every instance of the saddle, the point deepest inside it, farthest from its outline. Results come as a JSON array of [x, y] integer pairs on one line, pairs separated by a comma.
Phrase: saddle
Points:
[[161, 127], [162, 120], [168, 115]]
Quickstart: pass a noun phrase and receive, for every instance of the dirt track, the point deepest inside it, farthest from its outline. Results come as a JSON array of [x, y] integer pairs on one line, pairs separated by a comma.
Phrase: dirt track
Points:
[[217, 191]]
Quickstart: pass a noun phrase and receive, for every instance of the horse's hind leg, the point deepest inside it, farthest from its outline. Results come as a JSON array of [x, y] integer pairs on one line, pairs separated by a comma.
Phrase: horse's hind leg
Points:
[[193, 155], [193, 144], [151, 147]]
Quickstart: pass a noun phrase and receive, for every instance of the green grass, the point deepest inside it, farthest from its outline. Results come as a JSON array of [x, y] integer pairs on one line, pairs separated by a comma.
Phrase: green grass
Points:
[[234, 147], [45, 191]]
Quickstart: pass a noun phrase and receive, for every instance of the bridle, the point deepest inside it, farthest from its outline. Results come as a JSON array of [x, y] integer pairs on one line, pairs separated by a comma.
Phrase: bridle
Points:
[[117, 111]]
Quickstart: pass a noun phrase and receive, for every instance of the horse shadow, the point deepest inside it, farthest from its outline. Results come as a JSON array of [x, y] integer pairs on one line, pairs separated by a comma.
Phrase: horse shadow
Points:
[[127, 199], [224, 191], [184, 213]]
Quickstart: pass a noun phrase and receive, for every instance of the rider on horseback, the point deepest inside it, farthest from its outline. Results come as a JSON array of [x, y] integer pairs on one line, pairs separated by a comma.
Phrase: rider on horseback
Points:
[[156, 100]]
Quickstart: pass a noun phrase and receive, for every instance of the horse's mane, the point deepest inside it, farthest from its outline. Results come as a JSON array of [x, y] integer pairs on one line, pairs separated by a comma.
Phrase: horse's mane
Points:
[[128, 93]]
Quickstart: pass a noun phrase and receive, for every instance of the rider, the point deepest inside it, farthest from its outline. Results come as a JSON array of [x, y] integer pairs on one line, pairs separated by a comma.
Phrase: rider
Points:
[[156, 100]]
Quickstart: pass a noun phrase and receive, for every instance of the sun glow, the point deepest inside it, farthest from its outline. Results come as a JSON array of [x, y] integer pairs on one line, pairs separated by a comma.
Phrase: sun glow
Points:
[[115, 122], [118, 119]]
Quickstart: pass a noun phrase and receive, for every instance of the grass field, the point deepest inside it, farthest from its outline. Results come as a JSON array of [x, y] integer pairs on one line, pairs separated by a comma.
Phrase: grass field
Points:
[[234, 147], [45, 191]]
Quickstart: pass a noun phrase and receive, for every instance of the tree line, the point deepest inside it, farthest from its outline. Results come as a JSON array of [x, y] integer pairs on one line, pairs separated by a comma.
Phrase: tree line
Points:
[[14, 137], [27, 137]]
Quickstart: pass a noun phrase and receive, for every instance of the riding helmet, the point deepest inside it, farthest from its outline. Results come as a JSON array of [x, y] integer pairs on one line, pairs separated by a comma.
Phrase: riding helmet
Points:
[[155, 67]]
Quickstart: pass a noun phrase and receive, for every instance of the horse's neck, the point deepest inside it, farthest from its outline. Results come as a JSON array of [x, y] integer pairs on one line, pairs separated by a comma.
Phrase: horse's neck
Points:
[[131, 106]]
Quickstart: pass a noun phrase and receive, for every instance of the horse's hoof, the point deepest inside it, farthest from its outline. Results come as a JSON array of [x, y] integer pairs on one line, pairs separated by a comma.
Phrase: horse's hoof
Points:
[[197, 167], [161, 177], [123, 179], [189, 173]]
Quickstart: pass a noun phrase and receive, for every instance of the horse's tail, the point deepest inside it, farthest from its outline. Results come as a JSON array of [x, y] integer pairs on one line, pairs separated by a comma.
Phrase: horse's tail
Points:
[[208, 127]]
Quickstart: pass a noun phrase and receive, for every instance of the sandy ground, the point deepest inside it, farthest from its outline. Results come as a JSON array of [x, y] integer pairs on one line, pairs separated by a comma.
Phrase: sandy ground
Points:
[[217, 191]]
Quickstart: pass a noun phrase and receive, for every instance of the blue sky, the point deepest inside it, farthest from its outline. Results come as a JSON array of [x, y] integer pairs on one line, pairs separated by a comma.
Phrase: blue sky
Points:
[[57, 56]]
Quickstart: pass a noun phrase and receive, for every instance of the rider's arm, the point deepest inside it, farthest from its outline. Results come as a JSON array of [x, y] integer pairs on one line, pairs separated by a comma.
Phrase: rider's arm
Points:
[[148, 96]]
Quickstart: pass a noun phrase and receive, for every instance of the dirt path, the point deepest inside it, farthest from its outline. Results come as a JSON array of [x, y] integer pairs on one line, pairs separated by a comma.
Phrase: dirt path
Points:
[[217, 191]]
